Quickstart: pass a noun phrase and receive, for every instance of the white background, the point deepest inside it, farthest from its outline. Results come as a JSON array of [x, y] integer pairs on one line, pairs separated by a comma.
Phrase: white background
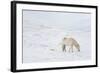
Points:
[[5, 36]]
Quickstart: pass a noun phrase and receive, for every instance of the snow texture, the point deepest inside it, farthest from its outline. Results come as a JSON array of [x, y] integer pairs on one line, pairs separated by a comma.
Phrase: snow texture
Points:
[[43, 33]]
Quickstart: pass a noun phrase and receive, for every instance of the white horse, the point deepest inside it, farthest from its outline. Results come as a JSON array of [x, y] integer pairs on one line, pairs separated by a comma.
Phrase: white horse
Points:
[[70, 42]]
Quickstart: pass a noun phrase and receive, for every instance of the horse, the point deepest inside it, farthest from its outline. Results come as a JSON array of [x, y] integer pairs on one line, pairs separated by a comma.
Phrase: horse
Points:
[[70, 42]]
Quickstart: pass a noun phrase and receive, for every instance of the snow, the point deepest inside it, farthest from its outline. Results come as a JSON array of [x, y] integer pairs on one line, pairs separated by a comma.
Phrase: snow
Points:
[[42, 40], [40, 49]]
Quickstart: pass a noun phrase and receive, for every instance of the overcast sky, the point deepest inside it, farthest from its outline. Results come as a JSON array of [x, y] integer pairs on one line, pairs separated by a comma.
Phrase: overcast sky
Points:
[[57, 20]]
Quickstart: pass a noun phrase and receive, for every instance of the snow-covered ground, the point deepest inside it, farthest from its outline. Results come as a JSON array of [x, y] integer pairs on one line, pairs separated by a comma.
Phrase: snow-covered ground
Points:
[[42, 41], [37, 47]]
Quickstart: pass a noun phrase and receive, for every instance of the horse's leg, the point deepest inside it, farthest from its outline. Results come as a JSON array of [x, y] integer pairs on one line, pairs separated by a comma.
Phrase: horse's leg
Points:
[[72, 48], [69, 49], [64, 48]]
